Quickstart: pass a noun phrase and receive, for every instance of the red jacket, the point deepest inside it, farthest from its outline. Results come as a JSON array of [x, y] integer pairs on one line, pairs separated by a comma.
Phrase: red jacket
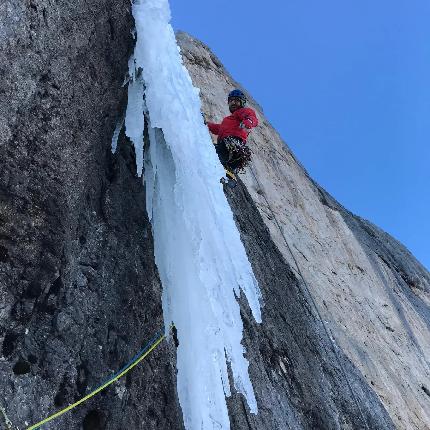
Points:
[[238, 124]]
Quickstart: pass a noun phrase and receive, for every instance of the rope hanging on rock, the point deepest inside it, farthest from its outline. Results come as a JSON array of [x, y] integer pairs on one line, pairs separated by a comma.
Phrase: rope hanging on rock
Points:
[[142, 354]]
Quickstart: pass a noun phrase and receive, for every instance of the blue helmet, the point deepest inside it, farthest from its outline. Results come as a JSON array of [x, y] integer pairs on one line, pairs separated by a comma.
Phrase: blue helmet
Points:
[[239, 94]]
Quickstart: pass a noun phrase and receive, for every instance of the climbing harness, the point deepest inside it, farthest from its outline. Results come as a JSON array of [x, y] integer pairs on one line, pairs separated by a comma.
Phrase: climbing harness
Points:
[[334, 348], [143, 353], [239, 154]]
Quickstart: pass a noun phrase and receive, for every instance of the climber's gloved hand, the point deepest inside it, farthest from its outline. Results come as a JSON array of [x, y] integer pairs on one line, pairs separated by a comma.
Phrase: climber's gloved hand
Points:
[[204, 117], [244, 126]]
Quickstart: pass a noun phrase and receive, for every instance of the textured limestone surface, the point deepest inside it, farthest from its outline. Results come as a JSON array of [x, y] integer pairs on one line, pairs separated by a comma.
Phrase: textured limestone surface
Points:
[[318, 262], [79, 291]]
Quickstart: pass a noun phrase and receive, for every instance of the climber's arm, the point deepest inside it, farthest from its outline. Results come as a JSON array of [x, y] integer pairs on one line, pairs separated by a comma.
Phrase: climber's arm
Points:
[[213, 128], [247, 117]]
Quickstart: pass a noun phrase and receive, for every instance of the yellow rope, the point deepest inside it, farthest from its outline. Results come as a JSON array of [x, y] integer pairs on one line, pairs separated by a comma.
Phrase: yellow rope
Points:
[[230, 174], [84, 399]]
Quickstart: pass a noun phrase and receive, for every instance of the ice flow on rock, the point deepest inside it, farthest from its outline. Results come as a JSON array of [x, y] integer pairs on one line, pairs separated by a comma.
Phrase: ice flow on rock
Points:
[[200, 257]]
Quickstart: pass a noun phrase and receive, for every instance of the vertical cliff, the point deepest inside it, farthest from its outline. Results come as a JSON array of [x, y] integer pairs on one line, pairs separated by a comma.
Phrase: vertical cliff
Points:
[[79, 290], [344, 342]]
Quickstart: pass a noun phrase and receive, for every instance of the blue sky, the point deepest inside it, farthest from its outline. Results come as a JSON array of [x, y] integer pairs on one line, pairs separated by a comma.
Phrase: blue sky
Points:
[[347, 86]]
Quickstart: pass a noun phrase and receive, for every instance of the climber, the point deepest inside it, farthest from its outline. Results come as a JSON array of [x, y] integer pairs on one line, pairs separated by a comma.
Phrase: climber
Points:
[[232, 133]]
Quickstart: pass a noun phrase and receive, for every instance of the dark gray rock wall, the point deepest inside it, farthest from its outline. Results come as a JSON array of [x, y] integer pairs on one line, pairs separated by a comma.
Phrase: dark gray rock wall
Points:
[[79, 291]]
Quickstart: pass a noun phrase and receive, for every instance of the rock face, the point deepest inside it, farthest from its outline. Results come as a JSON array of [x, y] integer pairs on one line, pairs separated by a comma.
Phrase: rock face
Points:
[[344, 342], [345, 339], [80, 295]]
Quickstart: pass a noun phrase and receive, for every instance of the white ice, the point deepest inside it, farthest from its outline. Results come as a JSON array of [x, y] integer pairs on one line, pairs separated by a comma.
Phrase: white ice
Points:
[[134, 118], [116, 133], [200, 257]]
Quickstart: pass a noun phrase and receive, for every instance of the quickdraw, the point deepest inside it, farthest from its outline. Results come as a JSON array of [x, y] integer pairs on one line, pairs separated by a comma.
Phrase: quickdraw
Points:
[[239, 153]]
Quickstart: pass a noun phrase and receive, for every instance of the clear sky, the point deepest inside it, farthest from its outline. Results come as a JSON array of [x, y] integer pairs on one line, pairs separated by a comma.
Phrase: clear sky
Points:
[[347, 85]]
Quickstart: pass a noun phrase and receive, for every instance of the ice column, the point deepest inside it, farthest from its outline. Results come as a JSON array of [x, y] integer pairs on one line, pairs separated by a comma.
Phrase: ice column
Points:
[[200, 257]]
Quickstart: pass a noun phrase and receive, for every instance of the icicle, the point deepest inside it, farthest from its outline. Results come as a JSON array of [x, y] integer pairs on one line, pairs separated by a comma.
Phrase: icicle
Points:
[[198, 251], [134, 118], [116, 133]]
